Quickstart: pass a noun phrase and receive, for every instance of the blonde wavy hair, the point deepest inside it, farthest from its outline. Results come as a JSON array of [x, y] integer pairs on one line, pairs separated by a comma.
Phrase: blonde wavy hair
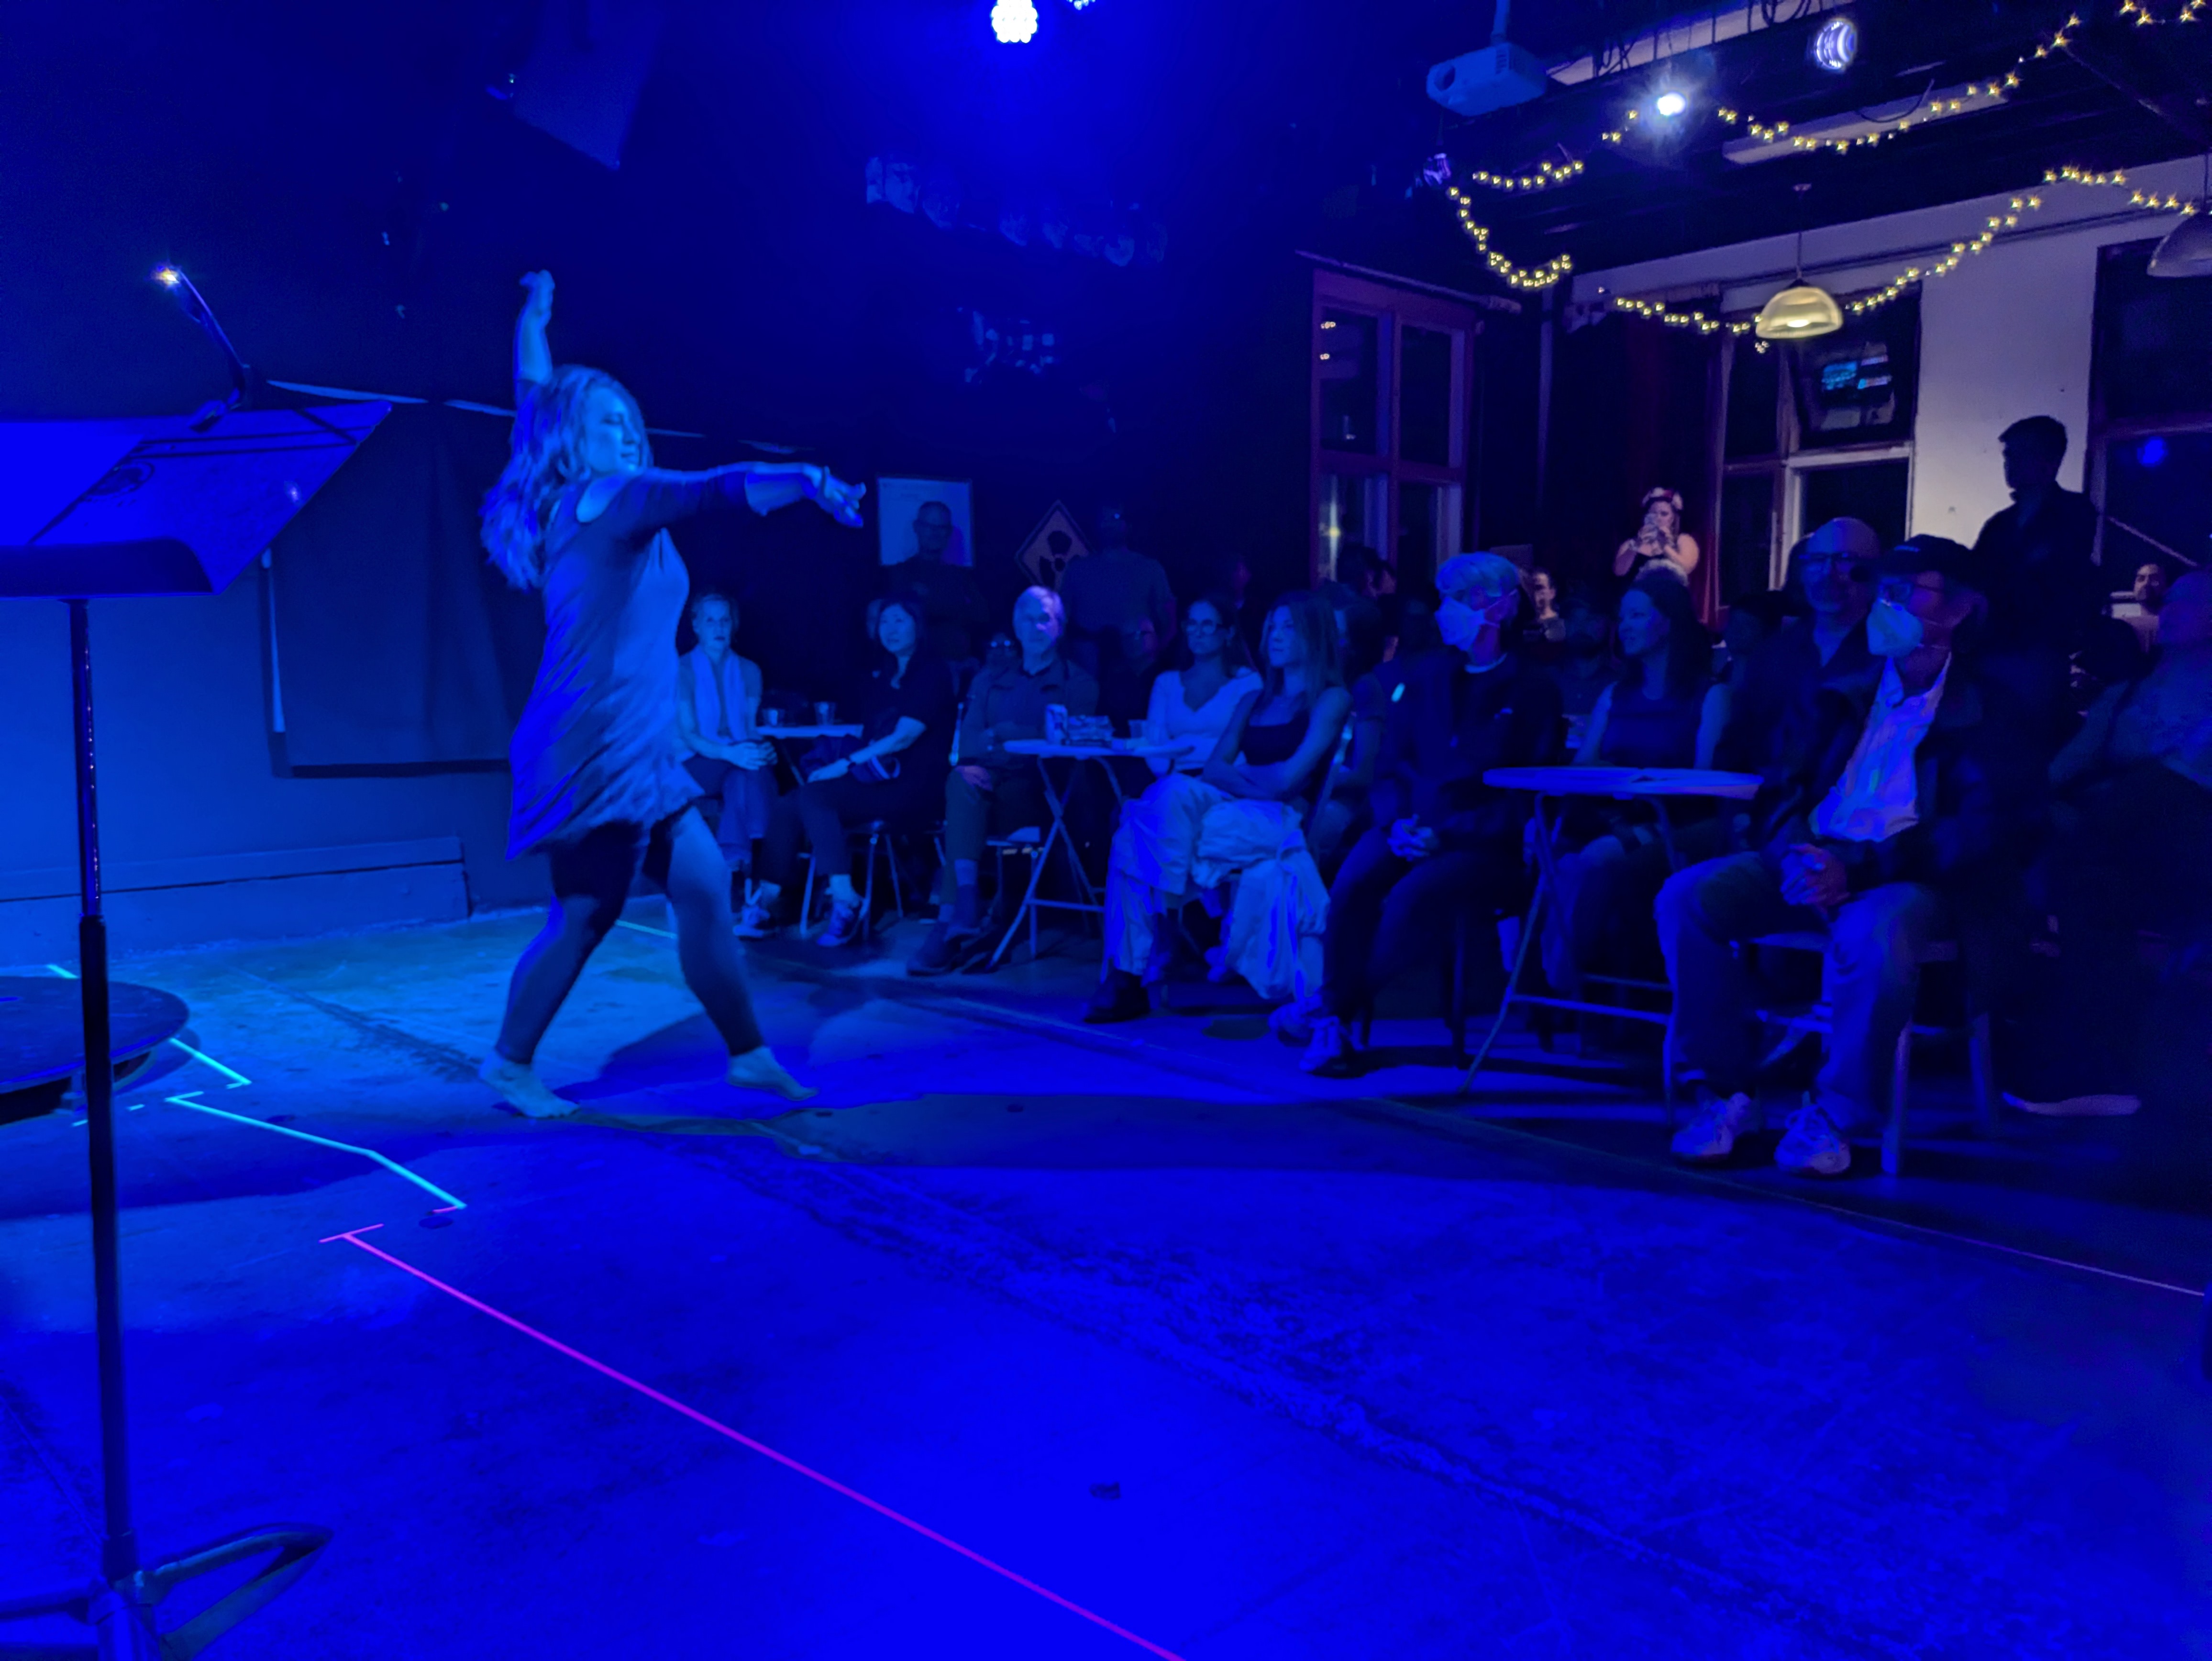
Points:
[[544, 457]]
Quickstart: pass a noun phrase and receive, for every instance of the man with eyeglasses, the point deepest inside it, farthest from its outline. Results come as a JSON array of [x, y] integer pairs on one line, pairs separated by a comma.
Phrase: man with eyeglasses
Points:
[[1835, 571], [1890, 821]]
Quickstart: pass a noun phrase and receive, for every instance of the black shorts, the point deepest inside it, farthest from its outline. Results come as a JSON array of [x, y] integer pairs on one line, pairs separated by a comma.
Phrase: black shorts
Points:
[[602, 864]]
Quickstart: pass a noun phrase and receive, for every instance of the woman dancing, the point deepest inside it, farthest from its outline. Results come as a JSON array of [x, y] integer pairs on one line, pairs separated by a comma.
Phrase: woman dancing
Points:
[[580, 515]]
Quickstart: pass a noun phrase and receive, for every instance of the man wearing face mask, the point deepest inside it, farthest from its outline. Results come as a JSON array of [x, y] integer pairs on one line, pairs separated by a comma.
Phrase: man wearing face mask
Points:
[[1889, 822], [1835, 571], [1442, 838]]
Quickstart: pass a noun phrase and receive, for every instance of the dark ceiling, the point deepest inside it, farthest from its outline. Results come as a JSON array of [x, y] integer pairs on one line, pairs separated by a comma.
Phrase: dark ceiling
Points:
[[2121, 94]]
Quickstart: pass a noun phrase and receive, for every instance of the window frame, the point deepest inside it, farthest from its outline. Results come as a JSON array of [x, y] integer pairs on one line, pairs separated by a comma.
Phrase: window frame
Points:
[[1395, 310]]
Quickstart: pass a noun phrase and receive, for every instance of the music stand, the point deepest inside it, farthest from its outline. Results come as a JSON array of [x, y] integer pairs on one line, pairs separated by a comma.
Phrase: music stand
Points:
[[98, 509]]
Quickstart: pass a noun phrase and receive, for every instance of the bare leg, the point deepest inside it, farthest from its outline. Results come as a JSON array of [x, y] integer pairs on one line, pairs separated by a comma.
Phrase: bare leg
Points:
[[699, 892], [549, 968]]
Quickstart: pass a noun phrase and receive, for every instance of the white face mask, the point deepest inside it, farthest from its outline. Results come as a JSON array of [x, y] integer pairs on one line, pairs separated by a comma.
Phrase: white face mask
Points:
[[1892, 631], [1462, 624]]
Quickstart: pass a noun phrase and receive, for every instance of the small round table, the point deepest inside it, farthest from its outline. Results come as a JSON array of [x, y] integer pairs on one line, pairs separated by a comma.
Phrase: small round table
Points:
[[42, 1037], [1104, 754], [1660, 784]]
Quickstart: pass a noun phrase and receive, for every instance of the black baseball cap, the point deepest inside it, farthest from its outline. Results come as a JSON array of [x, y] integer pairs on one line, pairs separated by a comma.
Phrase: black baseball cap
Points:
[[1956, 564]]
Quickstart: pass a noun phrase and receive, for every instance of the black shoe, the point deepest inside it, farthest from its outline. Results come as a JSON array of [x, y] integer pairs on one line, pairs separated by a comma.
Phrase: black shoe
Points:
[[944, 950], [1120, 997]]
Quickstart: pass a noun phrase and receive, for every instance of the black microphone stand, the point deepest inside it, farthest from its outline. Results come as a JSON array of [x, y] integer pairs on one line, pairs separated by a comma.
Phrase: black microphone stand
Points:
[[120, 1606]]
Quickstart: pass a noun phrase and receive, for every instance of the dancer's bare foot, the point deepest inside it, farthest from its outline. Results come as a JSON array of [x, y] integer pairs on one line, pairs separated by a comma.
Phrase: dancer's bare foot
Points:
[[521, 1088], [758, 1069]]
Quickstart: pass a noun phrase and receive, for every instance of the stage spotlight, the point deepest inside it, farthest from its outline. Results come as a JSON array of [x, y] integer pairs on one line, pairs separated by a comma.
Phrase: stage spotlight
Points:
[[1014, 21], [168, 276], [1836, 45], [1670, 104]]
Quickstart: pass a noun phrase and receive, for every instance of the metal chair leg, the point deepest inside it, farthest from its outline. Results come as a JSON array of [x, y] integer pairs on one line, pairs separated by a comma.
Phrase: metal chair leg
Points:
[[868, 892], [1900, 1082], [1512, 984], [806, 896], [1983, 1065]]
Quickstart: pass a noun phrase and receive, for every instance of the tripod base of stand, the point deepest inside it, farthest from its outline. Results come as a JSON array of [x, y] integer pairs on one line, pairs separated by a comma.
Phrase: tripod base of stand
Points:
[[123, 1615]]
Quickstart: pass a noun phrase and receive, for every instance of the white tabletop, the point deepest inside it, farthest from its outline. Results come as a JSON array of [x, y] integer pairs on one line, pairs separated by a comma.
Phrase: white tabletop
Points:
[[807, 732], [1625, 781], [1096, 752]]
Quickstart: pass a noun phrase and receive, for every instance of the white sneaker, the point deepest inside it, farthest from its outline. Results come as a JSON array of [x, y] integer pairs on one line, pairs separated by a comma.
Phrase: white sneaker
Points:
[[1713, 1134], [758, 1069], [1330, 1050], [754, 923], [1293, 1022], [1813, 1146], [521, 1088]]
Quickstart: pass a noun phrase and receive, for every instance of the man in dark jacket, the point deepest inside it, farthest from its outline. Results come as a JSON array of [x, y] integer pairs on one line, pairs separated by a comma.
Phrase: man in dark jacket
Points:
[[2045, 593], [990, 788], [1835, 571], [1441, 839], [1889, 823]]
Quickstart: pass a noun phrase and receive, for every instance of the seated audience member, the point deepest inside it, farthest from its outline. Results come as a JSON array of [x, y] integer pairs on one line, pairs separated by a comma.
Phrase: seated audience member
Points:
[[1441, 839], [1110, 595], [1192, 703], [1664, 711], [1240, 822], [1753, 620], [2148, 591], [2133, 852], [1585, 667], [953, 610], [1547, 625], [1891, 822], [992, 791], [1834, 572], [718, 697], [896, 775], [2046, 592], [1343, 810]]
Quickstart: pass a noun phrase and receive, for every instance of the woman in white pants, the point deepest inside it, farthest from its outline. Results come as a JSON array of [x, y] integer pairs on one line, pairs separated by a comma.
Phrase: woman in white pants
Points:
[[1235, 835]]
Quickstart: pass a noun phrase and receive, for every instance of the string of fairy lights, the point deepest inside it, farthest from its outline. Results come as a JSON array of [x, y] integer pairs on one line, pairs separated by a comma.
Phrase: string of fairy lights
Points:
[[2170, 203], [1546, 175], [1549, 175], [1518, 277], [2148, 17]]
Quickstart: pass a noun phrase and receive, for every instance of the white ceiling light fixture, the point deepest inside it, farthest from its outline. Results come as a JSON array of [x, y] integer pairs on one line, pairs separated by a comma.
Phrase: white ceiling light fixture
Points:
[[1670, 104], [1835, 46], [2187, 249], [1804, 309]]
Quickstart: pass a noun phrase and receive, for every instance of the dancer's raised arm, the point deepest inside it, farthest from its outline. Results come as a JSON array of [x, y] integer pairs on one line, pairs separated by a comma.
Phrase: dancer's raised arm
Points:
[[533, 355]]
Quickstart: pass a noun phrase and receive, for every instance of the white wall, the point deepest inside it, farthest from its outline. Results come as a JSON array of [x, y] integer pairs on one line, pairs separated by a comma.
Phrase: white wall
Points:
[[2007, 334]]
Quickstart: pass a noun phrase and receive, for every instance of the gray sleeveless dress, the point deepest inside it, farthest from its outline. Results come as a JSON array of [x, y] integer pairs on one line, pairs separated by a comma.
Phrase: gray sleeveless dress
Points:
[[597, 744]]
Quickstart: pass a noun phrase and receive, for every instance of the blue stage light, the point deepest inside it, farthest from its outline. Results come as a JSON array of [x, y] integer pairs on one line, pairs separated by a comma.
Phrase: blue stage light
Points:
[[1836, 45], [2153, 452], [1670, 104], [1014, 21]]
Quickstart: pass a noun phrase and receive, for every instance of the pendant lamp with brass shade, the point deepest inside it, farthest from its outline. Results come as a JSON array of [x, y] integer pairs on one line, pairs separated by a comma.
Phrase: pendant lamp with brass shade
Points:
[[1803, 309], [2186, 250]]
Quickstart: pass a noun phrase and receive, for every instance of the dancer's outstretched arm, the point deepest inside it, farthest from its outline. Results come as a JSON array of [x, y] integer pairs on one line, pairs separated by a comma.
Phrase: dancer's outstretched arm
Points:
[[637, 504]]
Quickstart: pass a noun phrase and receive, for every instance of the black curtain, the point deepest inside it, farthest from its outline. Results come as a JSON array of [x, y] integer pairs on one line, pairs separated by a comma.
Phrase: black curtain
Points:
[[1631, 407], [397, 645]]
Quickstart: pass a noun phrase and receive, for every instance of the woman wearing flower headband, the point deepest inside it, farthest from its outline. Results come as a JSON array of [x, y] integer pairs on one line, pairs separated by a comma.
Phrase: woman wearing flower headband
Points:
[[1661, 541]]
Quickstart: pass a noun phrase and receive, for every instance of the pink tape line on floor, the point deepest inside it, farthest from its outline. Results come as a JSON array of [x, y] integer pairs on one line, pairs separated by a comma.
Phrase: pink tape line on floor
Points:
[[693, 1414]]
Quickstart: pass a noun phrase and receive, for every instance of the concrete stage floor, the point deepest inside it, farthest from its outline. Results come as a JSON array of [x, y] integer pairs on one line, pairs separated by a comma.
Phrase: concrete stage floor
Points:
[[1248, 1365]]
